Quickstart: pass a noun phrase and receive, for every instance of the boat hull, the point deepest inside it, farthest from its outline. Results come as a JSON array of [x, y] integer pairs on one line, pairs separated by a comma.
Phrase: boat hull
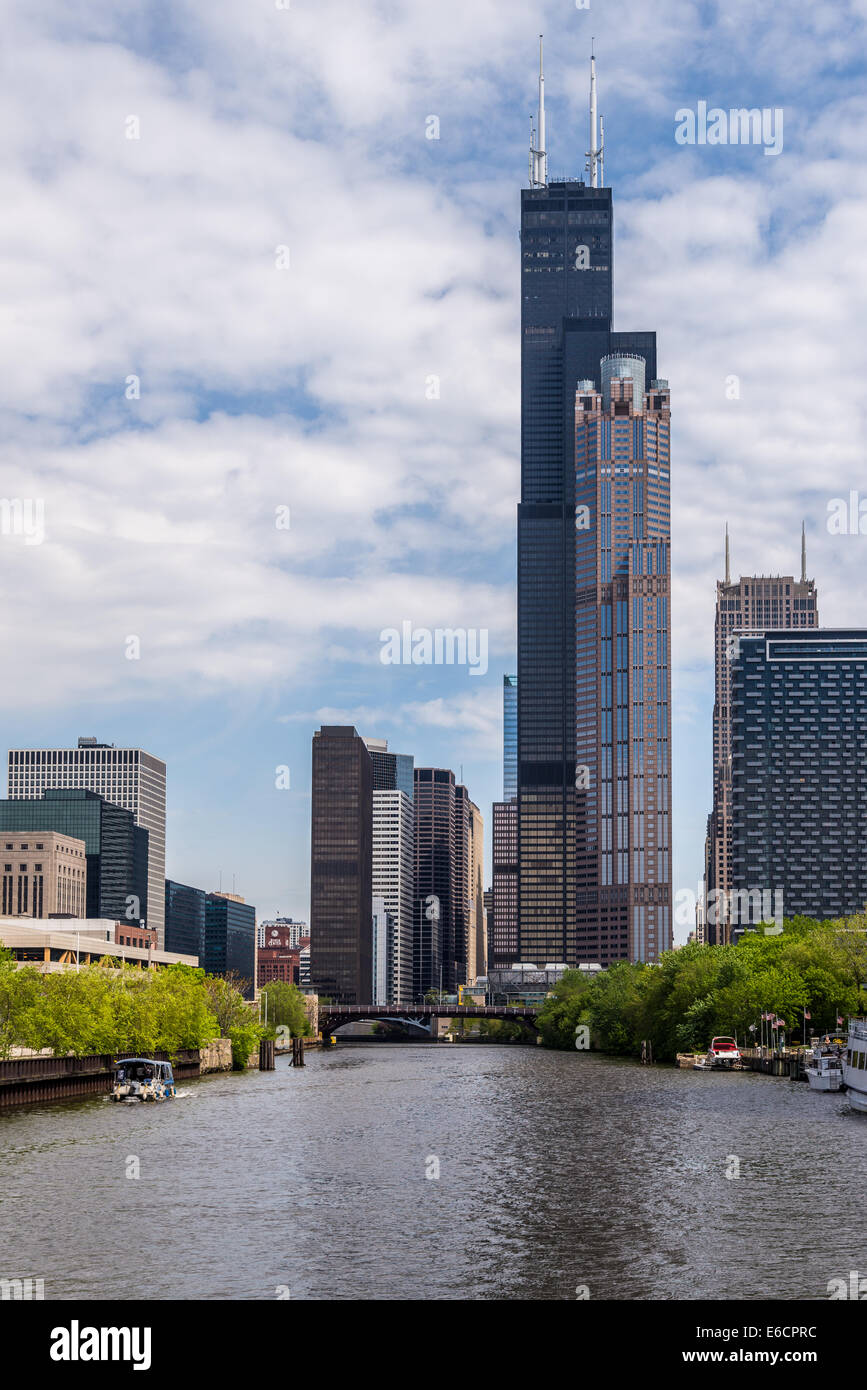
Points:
[[856, 1098], [832, 1082]]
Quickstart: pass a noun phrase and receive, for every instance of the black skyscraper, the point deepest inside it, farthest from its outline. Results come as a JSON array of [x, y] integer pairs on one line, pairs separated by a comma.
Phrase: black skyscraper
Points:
[[341, 867], [566, 330]]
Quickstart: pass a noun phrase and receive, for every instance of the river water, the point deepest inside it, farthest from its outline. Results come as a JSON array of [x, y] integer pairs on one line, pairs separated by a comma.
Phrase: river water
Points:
[[558, 1172]]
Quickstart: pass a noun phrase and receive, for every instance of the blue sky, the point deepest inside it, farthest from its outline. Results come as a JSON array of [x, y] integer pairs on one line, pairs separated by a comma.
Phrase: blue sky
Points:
[[263, 388]]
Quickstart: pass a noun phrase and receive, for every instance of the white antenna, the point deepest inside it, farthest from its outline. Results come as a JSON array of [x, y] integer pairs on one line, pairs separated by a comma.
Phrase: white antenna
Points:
[[594, 154], [538, 156], [601, 153]]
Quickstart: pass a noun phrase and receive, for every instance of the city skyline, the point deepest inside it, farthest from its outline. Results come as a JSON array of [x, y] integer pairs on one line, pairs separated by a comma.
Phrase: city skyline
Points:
[[256, 414]]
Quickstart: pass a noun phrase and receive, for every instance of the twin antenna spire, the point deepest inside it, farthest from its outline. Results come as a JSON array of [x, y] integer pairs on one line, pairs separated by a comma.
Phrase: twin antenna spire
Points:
[[728, 578], [538, 153]]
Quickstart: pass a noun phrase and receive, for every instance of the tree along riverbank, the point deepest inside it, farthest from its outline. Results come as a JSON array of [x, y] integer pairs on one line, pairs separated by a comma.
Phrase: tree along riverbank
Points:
[[99, 1010], [698, 991]]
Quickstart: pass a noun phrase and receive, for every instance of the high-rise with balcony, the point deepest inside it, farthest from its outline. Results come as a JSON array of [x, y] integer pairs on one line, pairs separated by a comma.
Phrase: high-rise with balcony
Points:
[[594, 787], [751, 604]]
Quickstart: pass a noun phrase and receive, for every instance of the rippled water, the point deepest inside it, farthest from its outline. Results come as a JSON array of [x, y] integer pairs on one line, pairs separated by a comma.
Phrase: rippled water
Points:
[[556, 1170]]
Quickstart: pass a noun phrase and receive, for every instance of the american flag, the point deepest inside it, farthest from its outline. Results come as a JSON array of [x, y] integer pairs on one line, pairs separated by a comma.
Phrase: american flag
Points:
[[839, 1021], [807, 1014]]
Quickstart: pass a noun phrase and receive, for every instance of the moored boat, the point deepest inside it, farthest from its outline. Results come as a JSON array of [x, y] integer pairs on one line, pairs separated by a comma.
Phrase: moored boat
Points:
[[824, 1067], [723, 1054], [143, 1078], [855, 1064]]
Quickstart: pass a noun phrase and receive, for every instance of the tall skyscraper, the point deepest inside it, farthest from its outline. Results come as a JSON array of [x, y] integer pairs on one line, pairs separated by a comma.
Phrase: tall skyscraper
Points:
[[434, 908], [394, 862], [594, 878], [126, 777], [503, 943], [469, 911], [449, 893], [477, 959], [510, 737], [747, 605], [341, 866], [798, 808], [381, 947]]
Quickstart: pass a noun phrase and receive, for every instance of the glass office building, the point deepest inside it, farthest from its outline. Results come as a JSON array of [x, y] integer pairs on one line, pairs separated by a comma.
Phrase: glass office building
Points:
[[230, 938], [116, 848], [185, 919], [798, 805]]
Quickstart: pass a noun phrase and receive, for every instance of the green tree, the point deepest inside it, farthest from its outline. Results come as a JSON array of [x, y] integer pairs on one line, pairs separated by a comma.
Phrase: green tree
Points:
[[287, 1006]]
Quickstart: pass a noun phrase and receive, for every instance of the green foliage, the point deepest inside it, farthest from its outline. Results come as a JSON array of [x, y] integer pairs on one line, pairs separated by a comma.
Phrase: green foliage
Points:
[[103, 1009], [286, 1005], [234, 1017], [564, 1010], [698, 991]]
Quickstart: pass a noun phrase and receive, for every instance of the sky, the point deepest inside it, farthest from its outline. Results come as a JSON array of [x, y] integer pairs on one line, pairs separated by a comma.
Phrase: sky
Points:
[[260, 367]]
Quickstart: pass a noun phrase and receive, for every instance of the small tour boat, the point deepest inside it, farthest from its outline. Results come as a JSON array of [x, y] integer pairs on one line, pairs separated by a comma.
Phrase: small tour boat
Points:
[[855, 1064], [722, 1055], [143, 1078], [824, 1067]]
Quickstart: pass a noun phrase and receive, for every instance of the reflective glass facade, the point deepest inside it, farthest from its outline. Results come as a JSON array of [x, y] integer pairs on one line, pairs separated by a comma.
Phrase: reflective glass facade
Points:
[[230, 939], [185, 920]]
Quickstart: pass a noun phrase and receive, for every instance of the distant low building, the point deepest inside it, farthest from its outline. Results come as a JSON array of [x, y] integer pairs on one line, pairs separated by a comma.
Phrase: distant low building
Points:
[[278, 963], [71, 942], [525, 983]]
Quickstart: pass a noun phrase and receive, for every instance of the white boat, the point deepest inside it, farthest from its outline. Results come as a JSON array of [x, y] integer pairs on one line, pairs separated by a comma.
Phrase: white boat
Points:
[[143, 1079], [855, 1064], [824, 1068], [722, 1055]]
